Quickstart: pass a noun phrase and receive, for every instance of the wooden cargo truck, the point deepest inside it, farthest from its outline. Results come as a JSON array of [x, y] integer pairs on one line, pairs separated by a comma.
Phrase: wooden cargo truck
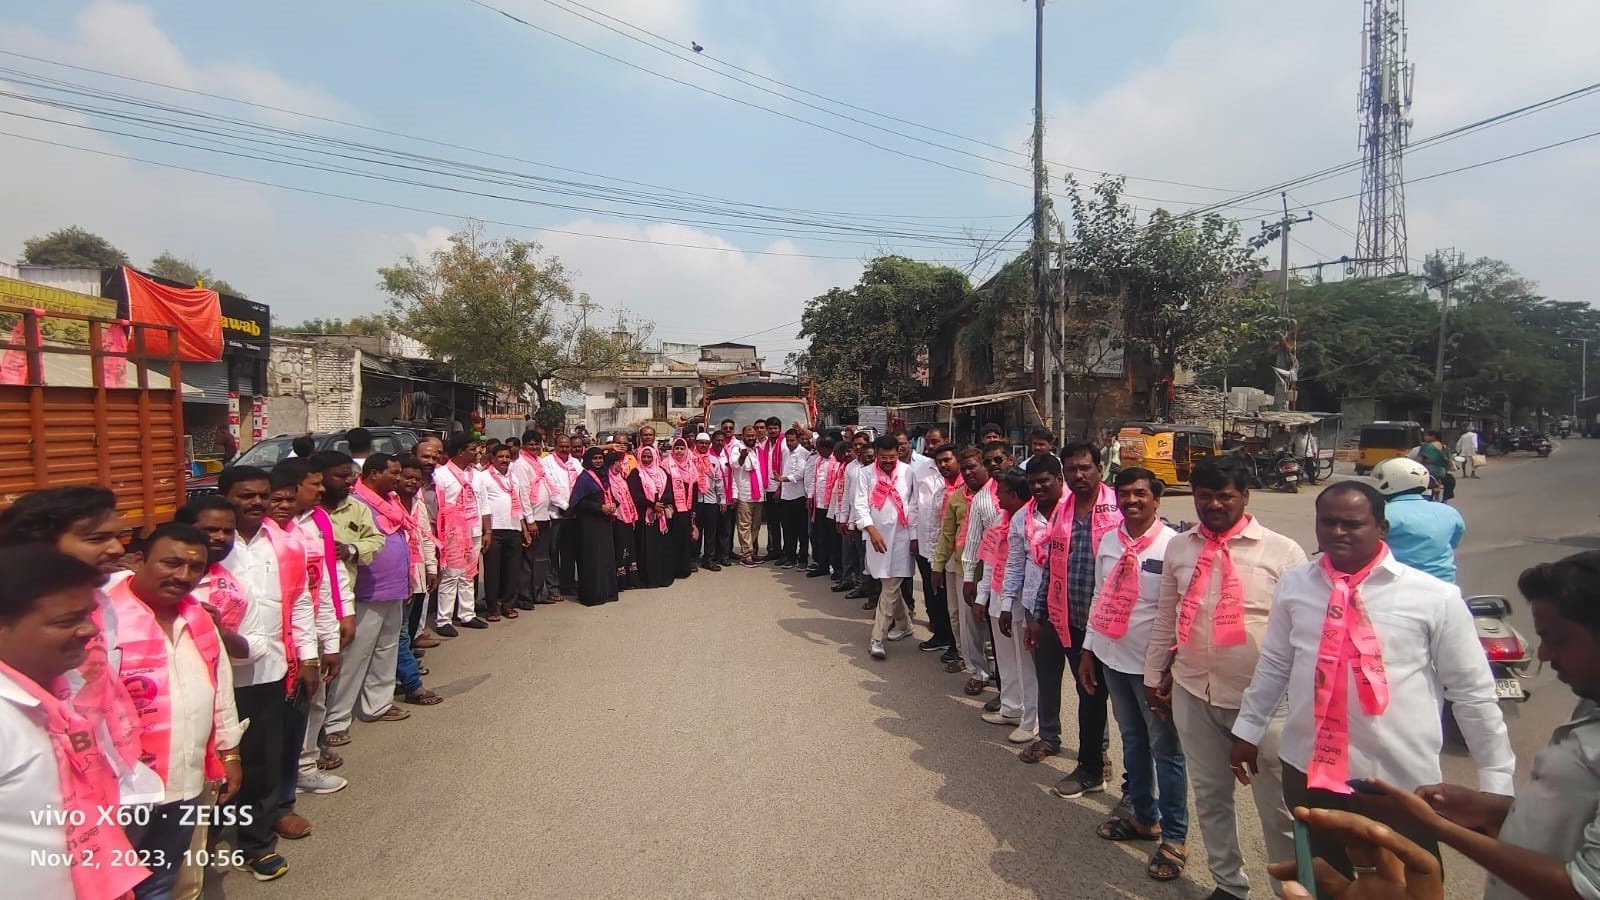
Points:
[[84, 401]]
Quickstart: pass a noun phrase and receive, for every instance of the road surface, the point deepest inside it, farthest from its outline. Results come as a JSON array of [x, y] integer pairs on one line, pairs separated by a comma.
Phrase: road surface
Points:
[[730, 737]]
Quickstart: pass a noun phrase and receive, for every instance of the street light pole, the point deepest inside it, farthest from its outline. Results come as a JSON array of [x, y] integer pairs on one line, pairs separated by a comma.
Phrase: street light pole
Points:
[[1046, 311]]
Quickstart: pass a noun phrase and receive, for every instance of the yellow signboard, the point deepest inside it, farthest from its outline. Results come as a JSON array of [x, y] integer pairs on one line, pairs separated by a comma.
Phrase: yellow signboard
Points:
[[28, 295]]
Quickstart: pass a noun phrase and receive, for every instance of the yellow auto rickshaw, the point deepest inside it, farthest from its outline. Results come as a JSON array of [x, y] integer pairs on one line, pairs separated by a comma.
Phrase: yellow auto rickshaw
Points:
[[1168, 451], [1385, 440]]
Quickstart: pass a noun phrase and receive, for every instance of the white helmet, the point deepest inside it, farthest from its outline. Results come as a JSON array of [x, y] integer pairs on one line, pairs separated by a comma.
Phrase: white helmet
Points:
[[1400, 474]]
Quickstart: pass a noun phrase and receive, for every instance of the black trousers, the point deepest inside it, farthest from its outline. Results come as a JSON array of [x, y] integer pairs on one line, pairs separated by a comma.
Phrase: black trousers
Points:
[[536, 565], [564, 574], [725, 532], [928, 587], [502, 568], [1050, 662], [824, 542], [261, 758], [938, 602], [772, 511], [1297, 793], [709, 516], [796, 531]]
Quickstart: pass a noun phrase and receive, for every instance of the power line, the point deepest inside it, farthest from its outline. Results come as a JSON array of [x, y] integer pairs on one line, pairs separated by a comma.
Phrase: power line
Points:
[[416, 209], [675, 50], [446, 144]]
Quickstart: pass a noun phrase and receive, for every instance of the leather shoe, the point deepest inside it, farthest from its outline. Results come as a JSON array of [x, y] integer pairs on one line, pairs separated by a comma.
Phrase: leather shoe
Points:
[[292, 827], [424, 640], [855, 594], [839, 587], [870, 604], [446, 630]]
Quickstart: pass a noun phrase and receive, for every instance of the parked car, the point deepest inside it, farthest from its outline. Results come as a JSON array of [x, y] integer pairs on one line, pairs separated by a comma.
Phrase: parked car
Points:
[[275, 449]]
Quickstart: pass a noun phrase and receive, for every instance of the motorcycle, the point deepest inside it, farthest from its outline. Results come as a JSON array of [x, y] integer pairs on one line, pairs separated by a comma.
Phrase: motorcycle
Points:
[[1541, 445], [1278, 470], [1509, 655]]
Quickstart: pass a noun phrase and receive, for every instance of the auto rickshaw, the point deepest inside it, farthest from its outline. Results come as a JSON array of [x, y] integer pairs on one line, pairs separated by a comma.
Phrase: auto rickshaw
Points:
[[1385, 440], [1168, 451]]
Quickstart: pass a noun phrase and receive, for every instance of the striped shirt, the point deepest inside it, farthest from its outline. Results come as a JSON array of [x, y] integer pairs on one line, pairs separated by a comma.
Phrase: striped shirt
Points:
[[983, 513]]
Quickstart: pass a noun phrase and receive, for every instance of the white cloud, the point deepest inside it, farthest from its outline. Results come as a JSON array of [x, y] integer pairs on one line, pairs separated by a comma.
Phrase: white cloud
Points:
[[956, 26], [1251, 97]]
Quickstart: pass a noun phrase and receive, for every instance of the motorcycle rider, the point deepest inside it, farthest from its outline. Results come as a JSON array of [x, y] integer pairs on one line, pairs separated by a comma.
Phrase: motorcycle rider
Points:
[[1422, 535]]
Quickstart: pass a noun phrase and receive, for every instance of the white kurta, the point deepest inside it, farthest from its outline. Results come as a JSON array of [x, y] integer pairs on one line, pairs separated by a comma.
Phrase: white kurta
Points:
[[897, 562]]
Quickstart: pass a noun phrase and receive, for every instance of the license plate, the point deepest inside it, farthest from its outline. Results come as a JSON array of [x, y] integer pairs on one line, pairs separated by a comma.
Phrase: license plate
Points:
[[1508, 689], [1291, 478]]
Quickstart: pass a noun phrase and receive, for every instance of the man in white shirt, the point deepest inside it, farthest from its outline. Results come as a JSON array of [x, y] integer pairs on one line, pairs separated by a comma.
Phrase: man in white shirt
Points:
[[261, 695], [833, 484], [539, 490], [505, 518], [865, 586], [48, 610], [993, 533], [749, 493], [1467, 449], [792, 501], [886, 511], [563, 469], [1395, 643], [460, 555], [929, 486], [1127, 590], [173, 660]]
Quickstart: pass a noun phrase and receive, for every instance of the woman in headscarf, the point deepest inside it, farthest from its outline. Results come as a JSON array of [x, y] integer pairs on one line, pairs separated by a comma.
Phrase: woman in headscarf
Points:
[[596, 511], [657, 565], [686, 482], [625, 528]]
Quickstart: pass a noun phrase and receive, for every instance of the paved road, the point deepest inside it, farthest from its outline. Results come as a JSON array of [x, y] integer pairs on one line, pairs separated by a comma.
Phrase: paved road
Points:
[[730, 737]]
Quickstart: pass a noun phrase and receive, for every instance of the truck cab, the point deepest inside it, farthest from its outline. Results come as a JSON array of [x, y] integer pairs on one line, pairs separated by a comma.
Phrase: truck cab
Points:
[[759, 397]]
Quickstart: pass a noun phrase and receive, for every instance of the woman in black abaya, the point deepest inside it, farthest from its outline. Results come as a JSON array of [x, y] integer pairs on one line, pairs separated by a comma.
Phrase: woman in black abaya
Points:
[[657, 564], [596, 511]]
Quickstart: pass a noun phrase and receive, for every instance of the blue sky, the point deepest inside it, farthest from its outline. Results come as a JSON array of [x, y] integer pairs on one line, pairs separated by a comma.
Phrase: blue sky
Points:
[[1221, 94]]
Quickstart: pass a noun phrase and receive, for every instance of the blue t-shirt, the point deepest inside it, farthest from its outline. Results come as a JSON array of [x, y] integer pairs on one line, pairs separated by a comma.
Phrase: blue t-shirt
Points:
[[1424, 535]]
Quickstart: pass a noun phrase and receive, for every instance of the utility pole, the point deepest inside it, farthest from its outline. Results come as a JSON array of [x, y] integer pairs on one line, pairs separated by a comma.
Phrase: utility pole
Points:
[[1446, 259], [1286, 360], [1047, 323]]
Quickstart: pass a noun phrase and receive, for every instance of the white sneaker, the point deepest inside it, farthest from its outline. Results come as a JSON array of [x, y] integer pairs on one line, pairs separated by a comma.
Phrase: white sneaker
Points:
[[899, 634], [320, 782], [877, 651], [994, 718], [1020, 735]]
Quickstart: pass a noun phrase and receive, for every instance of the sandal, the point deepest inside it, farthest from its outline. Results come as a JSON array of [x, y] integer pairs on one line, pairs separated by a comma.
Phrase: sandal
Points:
[[1167, 863], [1126, 830], [423, 671], [974, 687], [510, 612], [337, 738], [492, 617], [1037, 751], [955, 666], [424, 697], [392, 714]]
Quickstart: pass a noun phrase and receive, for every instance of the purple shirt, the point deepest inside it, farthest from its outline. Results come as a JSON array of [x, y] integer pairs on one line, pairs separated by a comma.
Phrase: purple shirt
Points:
[[388, 578]]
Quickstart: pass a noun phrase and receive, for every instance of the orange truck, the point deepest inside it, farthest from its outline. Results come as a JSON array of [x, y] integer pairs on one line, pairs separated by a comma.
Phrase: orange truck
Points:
[[84, 401], [745, 398]]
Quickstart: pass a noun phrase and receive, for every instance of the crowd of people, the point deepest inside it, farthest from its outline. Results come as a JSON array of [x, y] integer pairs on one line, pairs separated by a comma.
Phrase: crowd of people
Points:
[[202, 676]]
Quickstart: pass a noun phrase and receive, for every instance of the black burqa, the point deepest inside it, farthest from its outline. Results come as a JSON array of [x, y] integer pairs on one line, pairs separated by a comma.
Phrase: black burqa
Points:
[[597, 563]]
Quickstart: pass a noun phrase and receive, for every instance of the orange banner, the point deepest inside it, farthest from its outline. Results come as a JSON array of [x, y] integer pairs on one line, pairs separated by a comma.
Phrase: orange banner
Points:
[[195, 312]]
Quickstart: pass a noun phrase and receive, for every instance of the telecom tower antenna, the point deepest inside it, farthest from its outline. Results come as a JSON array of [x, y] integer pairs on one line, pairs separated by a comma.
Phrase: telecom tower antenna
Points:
[[1385, 105]]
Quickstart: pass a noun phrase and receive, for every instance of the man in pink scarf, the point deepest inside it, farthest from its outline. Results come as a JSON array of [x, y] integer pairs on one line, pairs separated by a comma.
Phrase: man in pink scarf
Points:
[[886, 512], [1366, 648], [1198, 677], [1127, 589]]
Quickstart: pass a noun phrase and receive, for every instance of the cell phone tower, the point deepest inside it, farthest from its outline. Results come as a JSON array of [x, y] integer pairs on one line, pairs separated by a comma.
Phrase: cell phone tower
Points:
[[1385, 105]]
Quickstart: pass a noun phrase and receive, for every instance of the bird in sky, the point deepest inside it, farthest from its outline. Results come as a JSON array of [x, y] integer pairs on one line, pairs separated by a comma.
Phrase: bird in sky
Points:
[[695, 47]]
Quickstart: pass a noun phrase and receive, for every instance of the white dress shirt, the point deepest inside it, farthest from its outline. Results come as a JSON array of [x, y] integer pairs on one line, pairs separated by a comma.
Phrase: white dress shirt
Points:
[[254, 564], [304, 528], [1025, 579], [848, 490], [527, 470], [451, 480], [1126, 654], [1431, 653], [896, 562], [494, 501], [559, 478], [747, 480], [929, 486], [795, 464], [29, 784], [197, 710]]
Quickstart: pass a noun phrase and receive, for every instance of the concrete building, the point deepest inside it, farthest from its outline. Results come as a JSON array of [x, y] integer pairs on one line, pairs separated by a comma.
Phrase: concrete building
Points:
[[662, 386], [330, 382]]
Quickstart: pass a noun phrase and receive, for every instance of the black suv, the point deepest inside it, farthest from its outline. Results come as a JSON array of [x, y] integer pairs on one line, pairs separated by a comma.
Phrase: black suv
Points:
[[271, 451]]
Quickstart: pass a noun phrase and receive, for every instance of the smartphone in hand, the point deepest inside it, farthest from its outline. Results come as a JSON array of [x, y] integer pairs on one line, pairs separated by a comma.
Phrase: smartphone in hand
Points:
[[1305, 873]]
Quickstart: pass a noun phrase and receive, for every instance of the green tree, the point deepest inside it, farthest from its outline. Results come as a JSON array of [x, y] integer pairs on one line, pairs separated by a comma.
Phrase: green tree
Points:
[[864, 341], [502, 312], [551, 417], [1358, 337], [370, 326], [72, 246], [189, 272]]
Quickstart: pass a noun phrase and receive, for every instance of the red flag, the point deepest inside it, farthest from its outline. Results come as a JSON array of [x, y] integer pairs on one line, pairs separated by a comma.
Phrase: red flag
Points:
[[114, 369], [14, 362]]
